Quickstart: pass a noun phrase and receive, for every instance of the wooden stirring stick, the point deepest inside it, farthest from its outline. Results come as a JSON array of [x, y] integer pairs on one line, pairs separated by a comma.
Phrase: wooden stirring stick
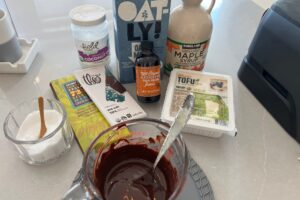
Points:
[[43, 129]]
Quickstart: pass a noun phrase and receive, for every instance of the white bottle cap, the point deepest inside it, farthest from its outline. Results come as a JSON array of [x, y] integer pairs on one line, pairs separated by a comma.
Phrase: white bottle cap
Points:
[[87, 15]]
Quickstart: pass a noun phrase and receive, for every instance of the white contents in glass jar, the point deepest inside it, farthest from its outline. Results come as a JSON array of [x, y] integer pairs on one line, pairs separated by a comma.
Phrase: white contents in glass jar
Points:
[[45, 150], [90, 31]]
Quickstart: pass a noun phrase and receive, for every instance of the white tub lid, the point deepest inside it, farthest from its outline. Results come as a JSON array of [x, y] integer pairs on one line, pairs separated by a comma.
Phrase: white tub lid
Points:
[[88, 15]]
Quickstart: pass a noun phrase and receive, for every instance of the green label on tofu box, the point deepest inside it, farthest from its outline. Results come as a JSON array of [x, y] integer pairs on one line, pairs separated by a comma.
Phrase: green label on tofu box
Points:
[[211, 100]]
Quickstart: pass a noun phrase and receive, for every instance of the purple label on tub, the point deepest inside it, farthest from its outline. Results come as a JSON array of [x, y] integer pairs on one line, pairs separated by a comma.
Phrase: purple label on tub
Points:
[[94, 57]]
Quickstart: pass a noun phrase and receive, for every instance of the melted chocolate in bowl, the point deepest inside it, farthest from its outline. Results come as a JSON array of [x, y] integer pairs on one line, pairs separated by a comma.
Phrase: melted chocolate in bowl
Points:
[[126, 173]]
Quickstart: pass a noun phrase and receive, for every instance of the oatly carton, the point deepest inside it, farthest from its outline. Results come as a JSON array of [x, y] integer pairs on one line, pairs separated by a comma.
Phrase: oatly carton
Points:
[[134, 21]]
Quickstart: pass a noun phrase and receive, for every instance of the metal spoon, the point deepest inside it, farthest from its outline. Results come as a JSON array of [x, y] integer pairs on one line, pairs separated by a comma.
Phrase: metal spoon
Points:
[[179, 123]]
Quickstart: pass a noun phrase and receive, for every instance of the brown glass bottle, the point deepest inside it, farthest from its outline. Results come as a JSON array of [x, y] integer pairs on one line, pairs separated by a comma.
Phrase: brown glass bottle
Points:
[[147, 69]]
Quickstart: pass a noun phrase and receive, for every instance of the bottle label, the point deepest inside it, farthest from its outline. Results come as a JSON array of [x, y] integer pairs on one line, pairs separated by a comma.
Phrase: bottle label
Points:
[[148, 81], [185, 56], [96, 51]]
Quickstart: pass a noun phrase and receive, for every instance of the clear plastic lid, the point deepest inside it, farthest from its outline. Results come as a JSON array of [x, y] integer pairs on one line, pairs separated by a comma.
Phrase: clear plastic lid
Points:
[[88, 15], [213, 110]]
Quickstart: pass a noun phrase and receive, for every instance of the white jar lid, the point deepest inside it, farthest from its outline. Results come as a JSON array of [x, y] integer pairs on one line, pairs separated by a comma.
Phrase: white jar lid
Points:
[[87, 15]]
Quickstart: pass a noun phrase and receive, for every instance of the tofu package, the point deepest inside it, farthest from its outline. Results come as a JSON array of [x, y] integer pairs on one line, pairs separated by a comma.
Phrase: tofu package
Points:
[[134, 21], [111, 98], [213, 113]]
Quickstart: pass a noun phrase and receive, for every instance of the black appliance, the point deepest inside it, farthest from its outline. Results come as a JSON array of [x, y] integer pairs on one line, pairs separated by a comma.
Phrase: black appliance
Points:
[[271, 70]]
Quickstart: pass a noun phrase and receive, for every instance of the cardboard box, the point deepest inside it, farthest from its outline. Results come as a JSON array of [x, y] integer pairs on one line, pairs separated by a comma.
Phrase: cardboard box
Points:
[[112, 99], [134, 21], [85, 118]]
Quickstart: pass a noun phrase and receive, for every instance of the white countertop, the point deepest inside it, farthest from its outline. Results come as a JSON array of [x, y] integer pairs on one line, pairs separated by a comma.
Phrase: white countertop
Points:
[[261, 162]]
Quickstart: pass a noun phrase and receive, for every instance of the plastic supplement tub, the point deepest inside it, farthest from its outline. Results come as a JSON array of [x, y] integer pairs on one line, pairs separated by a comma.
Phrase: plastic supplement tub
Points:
[[90, 32]]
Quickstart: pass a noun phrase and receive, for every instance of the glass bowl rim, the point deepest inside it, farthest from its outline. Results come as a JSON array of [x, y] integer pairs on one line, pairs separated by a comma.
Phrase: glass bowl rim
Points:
[[178, 188], [50, 135]]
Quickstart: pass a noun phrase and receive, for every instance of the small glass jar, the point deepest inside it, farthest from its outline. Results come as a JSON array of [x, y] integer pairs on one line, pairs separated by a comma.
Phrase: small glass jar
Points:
[[24, 135], [90, 31]]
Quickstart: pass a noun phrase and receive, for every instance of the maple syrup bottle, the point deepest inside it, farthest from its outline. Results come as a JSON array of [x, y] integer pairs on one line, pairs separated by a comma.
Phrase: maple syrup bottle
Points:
[[190, 29], [147, 69]]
